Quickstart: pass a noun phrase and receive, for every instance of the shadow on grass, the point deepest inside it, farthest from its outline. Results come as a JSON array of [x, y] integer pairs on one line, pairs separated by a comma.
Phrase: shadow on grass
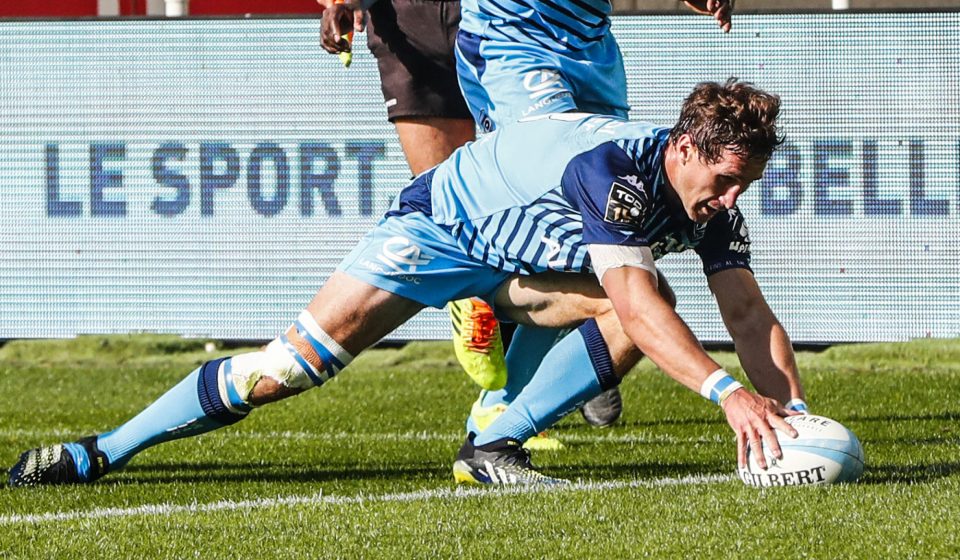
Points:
[[942, 417], [660, 422], [638, 471], [277, 473], [267, 472], [914, 474], [260, 472]]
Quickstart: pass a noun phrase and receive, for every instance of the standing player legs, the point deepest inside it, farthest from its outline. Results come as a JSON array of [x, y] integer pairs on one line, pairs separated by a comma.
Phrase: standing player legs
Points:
[[427, 141], [345, 317]]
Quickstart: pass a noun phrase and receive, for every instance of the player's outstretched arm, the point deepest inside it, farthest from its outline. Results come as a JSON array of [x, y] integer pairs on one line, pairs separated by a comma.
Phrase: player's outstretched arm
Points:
[[721, 10], [657, 330], [762, 343]]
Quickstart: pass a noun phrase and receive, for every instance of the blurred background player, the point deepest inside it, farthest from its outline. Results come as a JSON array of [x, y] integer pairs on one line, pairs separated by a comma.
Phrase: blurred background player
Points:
[[682, 183], [522, 58]]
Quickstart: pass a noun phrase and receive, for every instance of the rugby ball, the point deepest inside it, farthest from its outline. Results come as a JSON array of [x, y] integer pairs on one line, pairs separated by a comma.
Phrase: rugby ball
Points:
[[824, 452]]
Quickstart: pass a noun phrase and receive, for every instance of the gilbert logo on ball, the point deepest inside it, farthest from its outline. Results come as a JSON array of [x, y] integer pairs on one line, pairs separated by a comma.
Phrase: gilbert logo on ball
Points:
[[823, 452]]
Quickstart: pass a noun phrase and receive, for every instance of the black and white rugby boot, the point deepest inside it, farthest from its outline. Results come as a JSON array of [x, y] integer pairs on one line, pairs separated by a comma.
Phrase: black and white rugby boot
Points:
[[503, 462], [55, 464]]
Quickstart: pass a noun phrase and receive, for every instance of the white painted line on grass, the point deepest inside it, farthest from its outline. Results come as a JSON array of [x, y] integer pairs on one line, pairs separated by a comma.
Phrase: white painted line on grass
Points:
[[41, 436], [319, 499]]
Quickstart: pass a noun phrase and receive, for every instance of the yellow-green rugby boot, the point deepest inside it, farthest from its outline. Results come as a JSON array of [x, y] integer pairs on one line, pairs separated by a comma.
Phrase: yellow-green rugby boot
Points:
[[477, 343]]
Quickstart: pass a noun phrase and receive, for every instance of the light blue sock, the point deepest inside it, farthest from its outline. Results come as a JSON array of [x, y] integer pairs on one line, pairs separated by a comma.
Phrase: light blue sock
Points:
[[191, 407], [527, 350], [577, 369]]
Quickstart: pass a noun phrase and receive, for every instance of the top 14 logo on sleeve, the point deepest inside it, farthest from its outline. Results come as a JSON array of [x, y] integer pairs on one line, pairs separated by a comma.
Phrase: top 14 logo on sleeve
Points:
[[626, 205]]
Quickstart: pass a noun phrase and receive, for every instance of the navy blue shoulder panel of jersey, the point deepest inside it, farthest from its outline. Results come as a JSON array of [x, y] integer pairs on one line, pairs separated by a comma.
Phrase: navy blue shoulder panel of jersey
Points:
[[726, 243], [415, 197], [603, 185]]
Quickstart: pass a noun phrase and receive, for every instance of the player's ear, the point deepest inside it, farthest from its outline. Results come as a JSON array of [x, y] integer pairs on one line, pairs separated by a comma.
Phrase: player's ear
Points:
[[686, 148]]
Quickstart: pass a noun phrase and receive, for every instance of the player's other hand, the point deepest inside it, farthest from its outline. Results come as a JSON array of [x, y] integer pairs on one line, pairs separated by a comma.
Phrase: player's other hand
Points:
[[753, 419], [339, 18], [721, 10]]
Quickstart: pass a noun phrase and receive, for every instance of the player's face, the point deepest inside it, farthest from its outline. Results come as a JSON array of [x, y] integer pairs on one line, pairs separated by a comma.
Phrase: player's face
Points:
[[705, 189]]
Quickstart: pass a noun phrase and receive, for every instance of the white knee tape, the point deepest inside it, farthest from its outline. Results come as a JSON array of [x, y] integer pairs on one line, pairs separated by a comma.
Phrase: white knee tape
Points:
[[275, 362], [333, 355]]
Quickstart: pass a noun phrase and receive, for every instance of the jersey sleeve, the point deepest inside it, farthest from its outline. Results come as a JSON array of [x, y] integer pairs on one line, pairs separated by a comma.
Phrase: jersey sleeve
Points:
[[603, 185], [725, 244]]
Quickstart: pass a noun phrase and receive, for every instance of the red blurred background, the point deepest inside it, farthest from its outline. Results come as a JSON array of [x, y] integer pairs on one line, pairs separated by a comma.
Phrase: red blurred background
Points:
[[78, 8]]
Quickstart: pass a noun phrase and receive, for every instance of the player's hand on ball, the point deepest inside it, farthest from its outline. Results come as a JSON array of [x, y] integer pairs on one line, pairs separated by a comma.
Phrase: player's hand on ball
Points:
[[721, 10], [753, 419]]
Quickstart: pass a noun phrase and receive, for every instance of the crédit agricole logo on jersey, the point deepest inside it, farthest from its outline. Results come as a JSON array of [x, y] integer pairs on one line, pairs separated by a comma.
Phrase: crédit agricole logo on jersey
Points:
[[545, 87], [401, 256]]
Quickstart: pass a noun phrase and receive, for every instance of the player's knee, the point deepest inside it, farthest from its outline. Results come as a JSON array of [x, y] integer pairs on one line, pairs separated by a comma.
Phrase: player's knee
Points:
[[305, 356], [267, 390], [611, 351], [622, 351]]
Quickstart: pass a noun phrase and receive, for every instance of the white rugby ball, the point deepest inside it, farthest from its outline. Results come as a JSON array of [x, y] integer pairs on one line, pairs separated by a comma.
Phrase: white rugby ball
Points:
[[824, 452]]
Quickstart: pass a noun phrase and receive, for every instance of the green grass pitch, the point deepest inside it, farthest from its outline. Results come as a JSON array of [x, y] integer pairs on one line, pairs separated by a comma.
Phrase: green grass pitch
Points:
[[361, 467]]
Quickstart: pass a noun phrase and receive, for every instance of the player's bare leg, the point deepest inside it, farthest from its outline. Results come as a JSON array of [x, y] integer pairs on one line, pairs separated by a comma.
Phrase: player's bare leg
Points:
[[354, 314], [600, 411], [605, 409], [346, 316]]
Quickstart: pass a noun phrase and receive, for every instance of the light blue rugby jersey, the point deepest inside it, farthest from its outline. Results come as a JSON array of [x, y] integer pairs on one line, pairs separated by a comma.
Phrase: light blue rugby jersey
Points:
[[531, 197], [565, 25]]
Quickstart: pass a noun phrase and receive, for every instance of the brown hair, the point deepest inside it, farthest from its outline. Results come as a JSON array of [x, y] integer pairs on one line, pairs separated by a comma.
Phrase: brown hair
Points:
[[735, 116]]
